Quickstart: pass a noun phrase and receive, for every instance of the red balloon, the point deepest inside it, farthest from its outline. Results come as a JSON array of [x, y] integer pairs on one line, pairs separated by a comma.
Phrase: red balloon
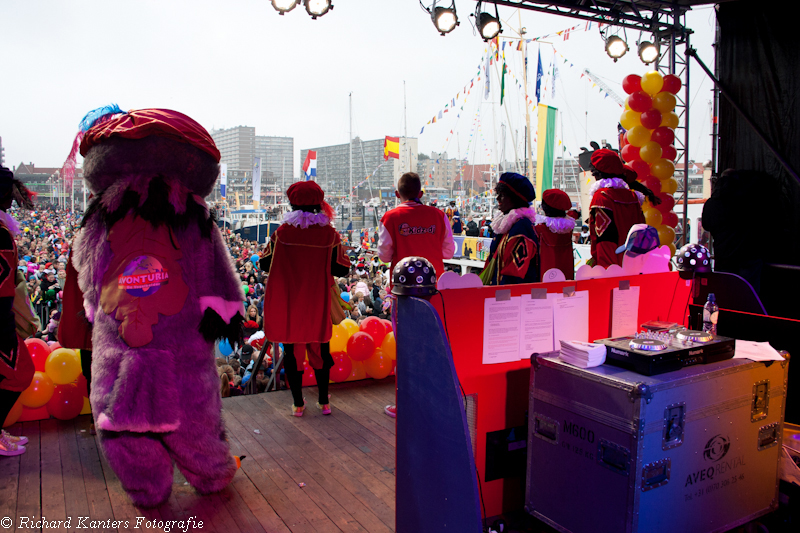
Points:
[[651, 119], [388, 324], [640, 102], [641, 168], [66, 402], [360, 346], [667, 202], [670, 219], [82, 385], [663, 136], [632, 83], [342, 367], [672, 84], [53, 347], [652, 183], [630, 153], [669, 152], [39, 351], [375, 328]]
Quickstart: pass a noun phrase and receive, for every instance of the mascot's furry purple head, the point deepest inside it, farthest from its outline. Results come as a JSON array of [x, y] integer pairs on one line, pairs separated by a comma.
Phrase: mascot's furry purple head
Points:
[[158, 287]]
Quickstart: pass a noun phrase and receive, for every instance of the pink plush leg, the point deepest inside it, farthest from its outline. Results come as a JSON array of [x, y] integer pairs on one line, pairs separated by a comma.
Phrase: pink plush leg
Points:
[[202, 455], [142, 464]]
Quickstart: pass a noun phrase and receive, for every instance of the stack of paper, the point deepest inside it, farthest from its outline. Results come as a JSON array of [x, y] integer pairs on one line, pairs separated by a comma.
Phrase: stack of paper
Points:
[[583, 354]]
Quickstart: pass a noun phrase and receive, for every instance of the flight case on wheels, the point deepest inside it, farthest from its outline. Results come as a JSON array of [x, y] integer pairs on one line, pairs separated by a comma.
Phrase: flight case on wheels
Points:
[[695, 450]]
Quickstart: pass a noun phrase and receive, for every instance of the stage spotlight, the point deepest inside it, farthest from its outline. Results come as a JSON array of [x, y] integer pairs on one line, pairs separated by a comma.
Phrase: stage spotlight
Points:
[[317, 8], [648, 52], [282, 6], [616, 47], [445, 18], [488, 26]]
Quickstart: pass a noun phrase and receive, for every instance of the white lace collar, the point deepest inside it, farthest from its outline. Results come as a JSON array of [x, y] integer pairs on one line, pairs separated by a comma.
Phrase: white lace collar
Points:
[[502, 223], [304, 219], [9, 222], [557, 224], [614, 183]]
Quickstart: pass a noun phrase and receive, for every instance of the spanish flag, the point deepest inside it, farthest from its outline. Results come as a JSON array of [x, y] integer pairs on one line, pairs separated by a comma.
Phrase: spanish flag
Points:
[[391, 148]]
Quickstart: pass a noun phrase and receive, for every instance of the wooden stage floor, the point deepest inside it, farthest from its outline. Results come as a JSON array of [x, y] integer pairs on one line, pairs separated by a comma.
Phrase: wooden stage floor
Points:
[[311, 474]]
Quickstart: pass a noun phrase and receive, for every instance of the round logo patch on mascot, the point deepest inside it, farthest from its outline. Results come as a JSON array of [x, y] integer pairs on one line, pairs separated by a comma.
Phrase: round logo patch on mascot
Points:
[[143, 276]]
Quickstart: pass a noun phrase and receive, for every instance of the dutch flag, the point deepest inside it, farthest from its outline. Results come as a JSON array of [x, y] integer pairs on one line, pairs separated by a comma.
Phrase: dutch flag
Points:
[[310, 165]]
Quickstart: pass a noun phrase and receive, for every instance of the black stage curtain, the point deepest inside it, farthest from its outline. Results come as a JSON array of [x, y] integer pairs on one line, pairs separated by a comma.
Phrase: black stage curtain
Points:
[[759, 64]]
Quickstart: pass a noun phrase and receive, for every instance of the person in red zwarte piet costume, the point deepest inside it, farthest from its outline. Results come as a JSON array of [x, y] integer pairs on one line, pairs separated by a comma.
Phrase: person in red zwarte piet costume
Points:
[[613, 210], [554, 230], [302, 256]]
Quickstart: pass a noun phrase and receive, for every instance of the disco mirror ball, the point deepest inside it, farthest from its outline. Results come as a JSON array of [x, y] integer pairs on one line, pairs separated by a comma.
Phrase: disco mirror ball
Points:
[[414, 276], [693, 259]]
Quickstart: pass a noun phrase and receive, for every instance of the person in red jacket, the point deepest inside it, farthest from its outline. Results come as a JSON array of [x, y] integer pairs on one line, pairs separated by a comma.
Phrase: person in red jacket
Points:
[[555, 233], [613, 210], [413, 228]]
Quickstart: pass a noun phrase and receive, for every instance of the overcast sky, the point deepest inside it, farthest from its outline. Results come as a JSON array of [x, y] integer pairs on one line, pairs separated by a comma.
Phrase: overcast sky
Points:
[[237, 62]]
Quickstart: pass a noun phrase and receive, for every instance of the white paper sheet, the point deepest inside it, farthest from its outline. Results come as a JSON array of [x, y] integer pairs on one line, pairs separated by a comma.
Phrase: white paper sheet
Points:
[[624, 312], [501, 322], [536, 326], [570, 316], [756, 351]]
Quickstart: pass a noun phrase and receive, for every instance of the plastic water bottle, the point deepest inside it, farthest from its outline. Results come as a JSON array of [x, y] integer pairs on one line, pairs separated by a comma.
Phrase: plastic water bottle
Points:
[[710, 314]]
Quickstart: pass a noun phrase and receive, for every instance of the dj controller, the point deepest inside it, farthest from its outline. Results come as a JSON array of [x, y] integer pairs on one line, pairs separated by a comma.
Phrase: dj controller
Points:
[[656, 352]]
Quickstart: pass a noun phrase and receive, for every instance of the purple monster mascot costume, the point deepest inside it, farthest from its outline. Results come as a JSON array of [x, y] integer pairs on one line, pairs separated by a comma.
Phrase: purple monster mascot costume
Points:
[[158, 287]]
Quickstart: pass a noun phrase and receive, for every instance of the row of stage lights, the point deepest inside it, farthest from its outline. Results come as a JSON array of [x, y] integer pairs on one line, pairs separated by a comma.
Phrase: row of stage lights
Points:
[[445, 19], [315, 8]]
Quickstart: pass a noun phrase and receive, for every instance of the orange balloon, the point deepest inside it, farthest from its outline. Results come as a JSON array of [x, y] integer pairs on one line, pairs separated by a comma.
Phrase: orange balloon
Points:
[[672, 249], [650, 152], [664, 102], [13, 415], [653, 217], [670, 120], [389, 346], [378, 366], [669, 186], [358, 372], [662, 169], [638, 136], [39, 392], [629, 119], [666, 235]]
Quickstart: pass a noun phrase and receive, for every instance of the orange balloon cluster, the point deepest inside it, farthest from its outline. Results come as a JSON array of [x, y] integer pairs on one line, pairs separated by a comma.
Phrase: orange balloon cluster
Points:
[[360, 351], [648, 144], [58, 388]]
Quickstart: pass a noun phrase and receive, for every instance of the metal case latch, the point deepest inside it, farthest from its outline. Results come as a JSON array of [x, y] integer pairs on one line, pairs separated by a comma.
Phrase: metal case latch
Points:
[[768, 436], [614, 457], [674, 421], [655, 474], [760, 404]]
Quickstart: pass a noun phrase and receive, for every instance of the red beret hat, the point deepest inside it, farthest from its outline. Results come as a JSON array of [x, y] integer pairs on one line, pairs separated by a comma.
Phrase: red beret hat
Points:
[[305, 193], [629, 173], [557, 199], [146, 122], [607, 161]]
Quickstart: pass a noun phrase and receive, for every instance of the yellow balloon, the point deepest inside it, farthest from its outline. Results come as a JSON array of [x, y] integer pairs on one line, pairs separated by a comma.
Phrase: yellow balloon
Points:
[[38, 392], [63, 366], [339, 339], [358, 372], [652, 82], [669, 186], [666, 235], [662, 169], [651, 151], [670, 120], [630, 119], [350, 326], [627, 108], [389, 346], [638, 136], [653, 217], [87, 407], [672, 249], [664, 102]]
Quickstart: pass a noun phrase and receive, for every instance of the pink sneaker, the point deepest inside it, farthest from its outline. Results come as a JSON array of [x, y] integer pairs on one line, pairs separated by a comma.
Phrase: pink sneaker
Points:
[[22, 440], [298, 411], [10, 449], [326, 408], [391, 410]]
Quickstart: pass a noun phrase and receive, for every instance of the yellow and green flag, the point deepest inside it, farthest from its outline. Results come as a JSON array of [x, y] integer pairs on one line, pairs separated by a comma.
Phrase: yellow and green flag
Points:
[[545, 149]]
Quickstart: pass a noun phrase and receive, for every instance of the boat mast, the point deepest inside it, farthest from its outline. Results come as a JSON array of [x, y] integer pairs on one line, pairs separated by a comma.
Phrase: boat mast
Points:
[[350, 157]]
